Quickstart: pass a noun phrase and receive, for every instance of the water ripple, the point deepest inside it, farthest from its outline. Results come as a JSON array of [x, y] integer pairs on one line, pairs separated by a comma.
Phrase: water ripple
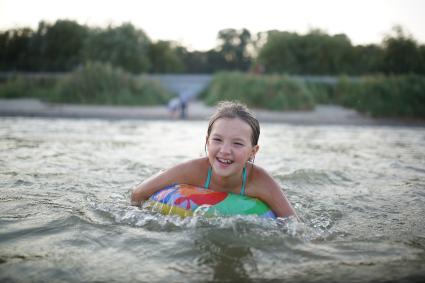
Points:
[[65, 213]]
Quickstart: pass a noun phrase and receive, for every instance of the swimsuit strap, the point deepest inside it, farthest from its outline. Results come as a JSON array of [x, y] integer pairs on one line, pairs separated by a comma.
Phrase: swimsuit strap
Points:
[[243, 181], [208, 180]]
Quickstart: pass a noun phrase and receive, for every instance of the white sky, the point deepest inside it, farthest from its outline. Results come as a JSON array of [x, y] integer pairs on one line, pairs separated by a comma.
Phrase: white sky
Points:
[[195, 23]]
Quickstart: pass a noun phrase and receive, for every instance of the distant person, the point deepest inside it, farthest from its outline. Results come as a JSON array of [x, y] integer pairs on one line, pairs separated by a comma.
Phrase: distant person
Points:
[[183, 107], [174, 106]]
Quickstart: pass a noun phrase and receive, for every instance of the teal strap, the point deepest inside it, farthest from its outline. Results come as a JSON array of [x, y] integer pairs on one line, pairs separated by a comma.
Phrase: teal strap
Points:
[[207, 182], [243, 181]]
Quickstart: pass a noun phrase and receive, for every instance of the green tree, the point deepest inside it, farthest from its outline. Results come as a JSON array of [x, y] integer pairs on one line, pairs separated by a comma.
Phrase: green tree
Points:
[[14, 49], [164, 58], [233, 45], [123, 46], [275, 53], [367, 59], [401, 53], [314, 53], [60, 45], [421, 69]]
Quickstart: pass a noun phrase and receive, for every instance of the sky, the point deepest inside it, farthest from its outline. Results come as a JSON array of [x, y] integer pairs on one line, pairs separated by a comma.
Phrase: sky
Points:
[[196, 23]]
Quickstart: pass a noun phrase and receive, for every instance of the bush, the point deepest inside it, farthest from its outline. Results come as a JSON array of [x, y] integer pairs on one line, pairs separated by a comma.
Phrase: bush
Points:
[[18, 87], [268, 92], [322, 92], [384, 96], [379, 96], [95, 83], [102, 84]]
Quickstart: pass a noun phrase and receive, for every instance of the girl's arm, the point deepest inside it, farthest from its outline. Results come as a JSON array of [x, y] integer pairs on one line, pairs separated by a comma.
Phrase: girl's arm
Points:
[[181, 173], [268, 190], [279, 203], [148, 187]]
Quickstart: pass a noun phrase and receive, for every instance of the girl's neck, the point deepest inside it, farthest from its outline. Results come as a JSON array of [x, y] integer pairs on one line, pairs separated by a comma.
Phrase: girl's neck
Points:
[[228, 184]]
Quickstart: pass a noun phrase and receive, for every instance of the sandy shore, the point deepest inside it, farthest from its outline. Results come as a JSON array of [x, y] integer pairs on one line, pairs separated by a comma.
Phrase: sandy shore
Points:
[[321, 115]]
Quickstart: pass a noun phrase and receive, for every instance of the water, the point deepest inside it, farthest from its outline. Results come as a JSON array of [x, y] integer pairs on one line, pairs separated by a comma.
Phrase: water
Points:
[[65, 213]]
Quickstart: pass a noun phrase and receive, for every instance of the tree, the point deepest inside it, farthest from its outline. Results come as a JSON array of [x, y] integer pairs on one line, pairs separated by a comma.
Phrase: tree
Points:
[[233, 47], [421, 69], [401, 53], [367, 59], [61, 45], [14, 49], [122, 46], [164, 58], [314, 53]]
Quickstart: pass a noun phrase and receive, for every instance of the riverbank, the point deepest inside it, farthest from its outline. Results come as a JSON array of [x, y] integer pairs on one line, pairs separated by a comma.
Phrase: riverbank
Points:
[[197, 110]]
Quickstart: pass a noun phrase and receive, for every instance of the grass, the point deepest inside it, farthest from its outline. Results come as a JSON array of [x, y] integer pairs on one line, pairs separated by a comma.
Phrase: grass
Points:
[[379, 96], [94, 83]]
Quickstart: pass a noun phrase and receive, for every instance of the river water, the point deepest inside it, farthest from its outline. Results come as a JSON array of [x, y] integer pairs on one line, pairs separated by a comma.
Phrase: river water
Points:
[[65, 213]]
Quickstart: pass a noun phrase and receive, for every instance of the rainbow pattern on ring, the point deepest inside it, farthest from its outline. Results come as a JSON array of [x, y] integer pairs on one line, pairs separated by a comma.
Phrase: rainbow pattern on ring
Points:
[[187, 200]]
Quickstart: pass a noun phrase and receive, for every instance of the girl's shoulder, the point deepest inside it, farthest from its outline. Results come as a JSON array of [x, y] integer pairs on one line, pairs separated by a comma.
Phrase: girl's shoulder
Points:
[[201, 163], [259, 174], [260, 181], [191, 170]]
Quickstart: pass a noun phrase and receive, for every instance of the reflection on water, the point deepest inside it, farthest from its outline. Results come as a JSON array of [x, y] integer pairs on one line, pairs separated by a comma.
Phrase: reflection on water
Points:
[[65, 213]]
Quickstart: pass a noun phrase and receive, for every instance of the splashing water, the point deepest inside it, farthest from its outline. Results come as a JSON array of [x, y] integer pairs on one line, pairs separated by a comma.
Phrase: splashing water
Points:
[[65, 213]]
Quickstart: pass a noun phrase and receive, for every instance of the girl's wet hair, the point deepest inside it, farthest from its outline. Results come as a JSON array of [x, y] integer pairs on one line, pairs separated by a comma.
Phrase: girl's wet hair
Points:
[[234, 109]]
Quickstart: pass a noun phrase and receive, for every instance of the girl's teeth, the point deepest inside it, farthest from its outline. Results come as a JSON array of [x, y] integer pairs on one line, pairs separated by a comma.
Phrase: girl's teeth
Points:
[[225, 161]]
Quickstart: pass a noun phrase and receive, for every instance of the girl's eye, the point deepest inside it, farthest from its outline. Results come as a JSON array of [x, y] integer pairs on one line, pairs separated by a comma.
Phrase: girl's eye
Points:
[[216, 139], [238, 144]]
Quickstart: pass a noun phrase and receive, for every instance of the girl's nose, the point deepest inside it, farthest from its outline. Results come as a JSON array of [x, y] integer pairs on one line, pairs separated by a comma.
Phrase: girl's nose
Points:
[[225, 148]]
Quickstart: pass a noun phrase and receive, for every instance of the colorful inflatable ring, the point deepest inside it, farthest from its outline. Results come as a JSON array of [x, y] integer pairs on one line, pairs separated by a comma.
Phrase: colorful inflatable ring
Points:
[[187, 200]]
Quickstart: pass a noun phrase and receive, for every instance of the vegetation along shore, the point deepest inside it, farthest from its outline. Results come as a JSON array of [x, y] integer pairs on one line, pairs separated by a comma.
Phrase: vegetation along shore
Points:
[[107, 66]]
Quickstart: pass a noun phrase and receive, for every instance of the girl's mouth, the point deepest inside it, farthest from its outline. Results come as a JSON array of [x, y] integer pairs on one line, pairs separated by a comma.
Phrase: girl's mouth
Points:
[[224, 161]]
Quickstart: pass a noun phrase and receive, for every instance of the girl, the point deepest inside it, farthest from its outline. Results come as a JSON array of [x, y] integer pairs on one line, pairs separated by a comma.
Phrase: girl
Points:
[[231, 145]]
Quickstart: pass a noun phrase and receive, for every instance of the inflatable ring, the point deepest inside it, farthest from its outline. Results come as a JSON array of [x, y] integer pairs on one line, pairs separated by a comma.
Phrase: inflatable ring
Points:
[[187, 200]]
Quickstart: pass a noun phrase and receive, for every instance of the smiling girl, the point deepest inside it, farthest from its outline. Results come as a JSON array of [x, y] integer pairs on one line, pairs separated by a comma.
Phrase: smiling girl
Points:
[[231, 145]]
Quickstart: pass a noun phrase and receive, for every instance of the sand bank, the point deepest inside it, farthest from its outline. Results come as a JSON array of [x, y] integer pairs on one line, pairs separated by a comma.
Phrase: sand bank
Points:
[[321, 115]]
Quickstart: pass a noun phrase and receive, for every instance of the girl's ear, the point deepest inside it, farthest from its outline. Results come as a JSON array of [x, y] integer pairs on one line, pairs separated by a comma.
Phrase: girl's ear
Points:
[[206, 143], [254, 150]]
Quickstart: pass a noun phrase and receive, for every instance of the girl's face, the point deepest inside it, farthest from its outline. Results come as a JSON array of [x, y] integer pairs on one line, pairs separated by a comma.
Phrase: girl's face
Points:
[[229, 146]]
